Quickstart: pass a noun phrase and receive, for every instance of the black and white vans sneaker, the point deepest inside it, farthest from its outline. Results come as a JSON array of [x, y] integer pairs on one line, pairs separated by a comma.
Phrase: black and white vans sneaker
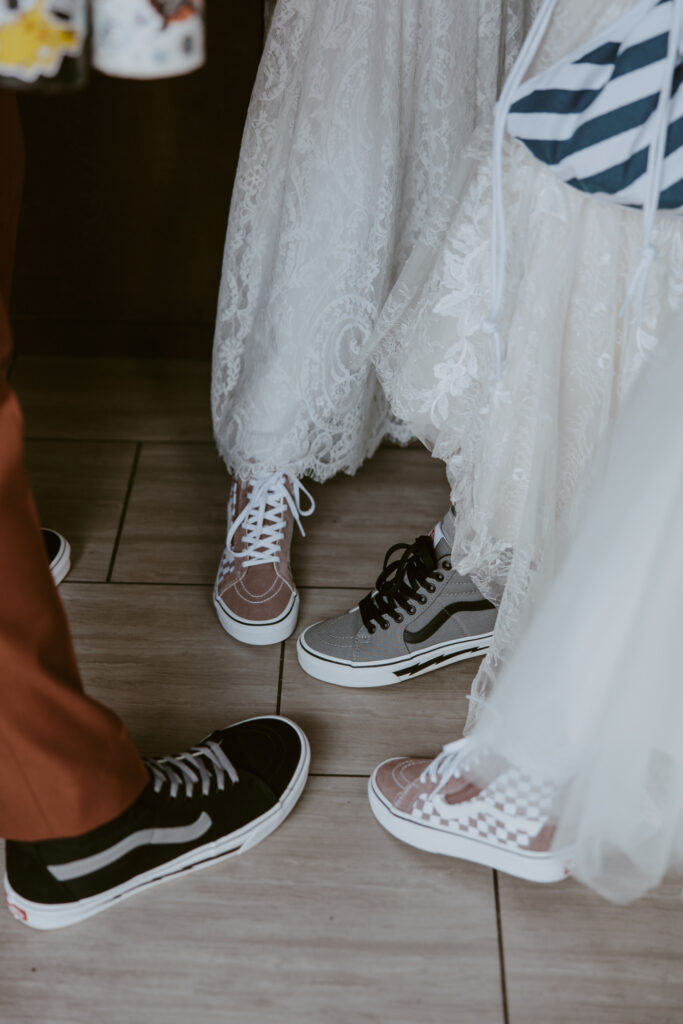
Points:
[[421, 616], [58, 554], [217, 800]]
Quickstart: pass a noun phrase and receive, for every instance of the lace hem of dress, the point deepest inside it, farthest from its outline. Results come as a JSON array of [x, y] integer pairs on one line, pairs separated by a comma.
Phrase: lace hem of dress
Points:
[[358, 120]]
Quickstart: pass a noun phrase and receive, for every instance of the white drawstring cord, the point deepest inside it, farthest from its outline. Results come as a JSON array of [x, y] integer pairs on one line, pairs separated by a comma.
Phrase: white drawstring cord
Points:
[[478, 701], [654, 172], [262, 518], [655, 168], [638, 282], [498, 231]]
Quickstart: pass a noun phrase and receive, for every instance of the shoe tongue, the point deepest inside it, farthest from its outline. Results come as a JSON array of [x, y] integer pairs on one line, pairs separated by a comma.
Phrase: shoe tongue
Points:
[[443, 534], [448, 527], [457, 791]]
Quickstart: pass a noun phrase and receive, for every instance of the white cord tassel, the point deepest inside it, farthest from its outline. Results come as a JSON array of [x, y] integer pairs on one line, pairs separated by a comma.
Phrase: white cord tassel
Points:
[[498, 232], [655, 168], [654, 173]]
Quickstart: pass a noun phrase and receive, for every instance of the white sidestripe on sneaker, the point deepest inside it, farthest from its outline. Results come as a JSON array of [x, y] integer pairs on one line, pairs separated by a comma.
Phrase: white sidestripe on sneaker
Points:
[[145, 837]]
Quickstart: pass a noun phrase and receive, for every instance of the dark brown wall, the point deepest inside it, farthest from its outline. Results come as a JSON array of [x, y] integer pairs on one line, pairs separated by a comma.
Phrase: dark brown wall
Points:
[[126, 201]]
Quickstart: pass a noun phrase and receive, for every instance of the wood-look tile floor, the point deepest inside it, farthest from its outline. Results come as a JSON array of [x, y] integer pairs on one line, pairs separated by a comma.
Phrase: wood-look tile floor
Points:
[[330, 920]]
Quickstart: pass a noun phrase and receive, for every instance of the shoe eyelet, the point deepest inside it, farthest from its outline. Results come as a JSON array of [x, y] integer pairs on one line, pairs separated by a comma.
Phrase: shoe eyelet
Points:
[[438, 576], [447, 564], [429, 588], [384, 624], [372, 630], [422, 599], [411, 609], [398, 618]]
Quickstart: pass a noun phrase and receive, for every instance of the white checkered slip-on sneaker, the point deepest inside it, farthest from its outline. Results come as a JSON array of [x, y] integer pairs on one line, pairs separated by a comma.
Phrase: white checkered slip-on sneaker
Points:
[[437, 806]]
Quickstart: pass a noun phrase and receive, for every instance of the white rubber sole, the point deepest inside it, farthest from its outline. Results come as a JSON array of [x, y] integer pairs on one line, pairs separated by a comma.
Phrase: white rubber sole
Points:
[[47, 917], [545, 868], [61, 567], [258, 634], [395, 670]]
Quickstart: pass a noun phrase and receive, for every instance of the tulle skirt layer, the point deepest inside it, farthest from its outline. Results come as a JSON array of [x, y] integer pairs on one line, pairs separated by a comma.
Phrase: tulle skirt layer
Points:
[[593, 696]]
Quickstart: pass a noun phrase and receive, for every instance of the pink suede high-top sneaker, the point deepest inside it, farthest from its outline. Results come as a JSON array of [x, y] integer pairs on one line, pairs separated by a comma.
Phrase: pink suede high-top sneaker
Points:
[[255, 596]]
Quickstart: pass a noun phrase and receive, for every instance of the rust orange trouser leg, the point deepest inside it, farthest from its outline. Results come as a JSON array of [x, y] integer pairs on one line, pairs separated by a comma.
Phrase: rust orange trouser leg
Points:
[[67, 764]]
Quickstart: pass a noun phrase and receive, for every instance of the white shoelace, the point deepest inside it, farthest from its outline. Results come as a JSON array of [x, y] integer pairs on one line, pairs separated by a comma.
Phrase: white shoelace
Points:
[[201, 764], [263, 518], [469, 759], [452, 763]]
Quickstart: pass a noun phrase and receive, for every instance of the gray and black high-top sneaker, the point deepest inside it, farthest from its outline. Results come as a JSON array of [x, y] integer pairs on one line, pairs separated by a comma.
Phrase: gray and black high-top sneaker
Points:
[[421, 616]]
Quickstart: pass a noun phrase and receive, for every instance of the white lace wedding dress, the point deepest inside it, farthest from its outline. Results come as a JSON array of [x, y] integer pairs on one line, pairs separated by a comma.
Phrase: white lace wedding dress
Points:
[[360, 114], [515, 451]]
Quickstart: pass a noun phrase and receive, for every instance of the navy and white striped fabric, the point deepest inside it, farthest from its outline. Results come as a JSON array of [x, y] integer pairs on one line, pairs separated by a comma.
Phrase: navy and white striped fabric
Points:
[[591, 116]]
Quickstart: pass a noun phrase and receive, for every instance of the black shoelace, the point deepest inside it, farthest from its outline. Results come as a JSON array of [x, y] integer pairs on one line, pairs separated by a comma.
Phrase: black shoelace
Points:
[[400, 583]]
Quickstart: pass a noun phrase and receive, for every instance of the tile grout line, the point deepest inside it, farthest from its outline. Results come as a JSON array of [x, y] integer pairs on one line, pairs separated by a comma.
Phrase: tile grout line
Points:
[[105, 439], [124, 510], [135, 583], [207, 441], [278, 704], [52, 439], [183, 583], [338, 775], [501, 950]]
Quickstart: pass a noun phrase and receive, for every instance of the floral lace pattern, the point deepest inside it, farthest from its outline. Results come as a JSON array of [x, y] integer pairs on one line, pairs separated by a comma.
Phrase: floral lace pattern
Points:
[[358, 121], [517, 450]]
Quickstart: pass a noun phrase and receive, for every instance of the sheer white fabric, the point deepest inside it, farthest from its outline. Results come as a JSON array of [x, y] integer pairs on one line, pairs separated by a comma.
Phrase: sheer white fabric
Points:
[[360, 114], [593, 696], [516, 451]]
